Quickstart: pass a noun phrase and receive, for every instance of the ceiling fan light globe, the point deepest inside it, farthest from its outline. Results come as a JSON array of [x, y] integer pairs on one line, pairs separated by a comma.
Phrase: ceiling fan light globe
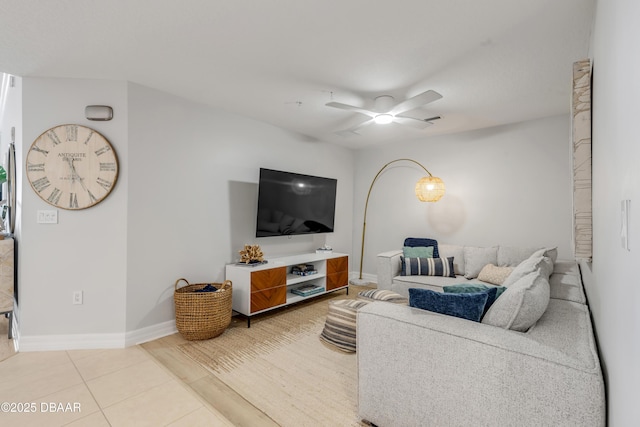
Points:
[[383, 119]]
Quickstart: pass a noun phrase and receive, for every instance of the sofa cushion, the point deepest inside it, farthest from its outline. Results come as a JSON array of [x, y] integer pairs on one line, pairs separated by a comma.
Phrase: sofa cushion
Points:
[[521, 304], [401, 284], [466, 306], [551, 253], [455, 251], [427, 267], [567, 286], [417, 251], [422, 241], [511, 256], [494, 274], [529, 265], [475, 258]]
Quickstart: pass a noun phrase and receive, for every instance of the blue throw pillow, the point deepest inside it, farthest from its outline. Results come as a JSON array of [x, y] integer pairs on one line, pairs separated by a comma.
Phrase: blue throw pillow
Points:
[[463, 288], [427, 267], [420, 241], [466, 306]]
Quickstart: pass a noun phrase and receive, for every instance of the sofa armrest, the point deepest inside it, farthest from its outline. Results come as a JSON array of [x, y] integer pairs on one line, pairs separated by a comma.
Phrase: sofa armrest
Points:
[[388, 267], [414, 365]]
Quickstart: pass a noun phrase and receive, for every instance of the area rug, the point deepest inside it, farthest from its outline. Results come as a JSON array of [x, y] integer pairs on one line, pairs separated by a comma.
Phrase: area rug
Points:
[[281, 366]]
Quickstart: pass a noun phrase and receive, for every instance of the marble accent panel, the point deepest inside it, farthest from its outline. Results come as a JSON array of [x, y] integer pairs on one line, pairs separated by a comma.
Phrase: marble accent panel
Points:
[[6, 274], [581, 144]]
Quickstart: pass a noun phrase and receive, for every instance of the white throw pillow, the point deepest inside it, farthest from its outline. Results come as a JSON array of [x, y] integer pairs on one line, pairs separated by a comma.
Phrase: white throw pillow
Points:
[[529, 265], [475, 258], [521, 304]]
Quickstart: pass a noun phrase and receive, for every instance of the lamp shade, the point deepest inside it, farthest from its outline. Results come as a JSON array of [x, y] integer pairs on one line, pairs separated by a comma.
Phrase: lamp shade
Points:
[[430, 189]]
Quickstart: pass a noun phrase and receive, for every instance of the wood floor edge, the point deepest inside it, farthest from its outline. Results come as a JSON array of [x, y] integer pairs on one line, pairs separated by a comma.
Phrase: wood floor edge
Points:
[[214, 393]]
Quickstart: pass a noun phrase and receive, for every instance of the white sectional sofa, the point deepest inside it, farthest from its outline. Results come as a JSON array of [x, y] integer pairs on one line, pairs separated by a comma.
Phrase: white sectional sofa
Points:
[[420, 368]]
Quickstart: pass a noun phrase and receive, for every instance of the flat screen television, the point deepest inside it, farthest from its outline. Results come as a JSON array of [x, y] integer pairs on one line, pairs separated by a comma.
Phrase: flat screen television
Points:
[[291, 204]]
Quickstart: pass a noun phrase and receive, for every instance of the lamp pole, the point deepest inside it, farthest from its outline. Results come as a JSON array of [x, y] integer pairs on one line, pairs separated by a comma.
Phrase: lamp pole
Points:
[[366, 205]]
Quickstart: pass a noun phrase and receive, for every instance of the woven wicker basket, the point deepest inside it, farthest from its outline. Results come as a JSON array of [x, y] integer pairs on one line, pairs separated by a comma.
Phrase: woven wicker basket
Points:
[[202, 315]]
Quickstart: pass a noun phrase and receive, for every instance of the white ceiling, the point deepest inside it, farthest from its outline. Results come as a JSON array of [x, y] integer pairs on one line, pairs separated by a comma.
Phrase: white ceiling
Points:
[[281, 61]]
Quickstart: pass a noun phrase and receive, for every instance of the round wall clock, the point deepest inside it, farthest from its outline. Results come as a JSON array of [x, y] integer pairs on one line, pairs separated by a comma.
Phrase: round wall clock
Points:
[[72, 167]]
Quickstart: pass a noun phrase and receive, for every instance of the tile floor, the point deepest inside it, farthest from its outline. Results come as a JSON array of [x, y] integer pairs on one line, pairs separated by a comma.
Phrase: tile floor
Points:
[[120, 387]]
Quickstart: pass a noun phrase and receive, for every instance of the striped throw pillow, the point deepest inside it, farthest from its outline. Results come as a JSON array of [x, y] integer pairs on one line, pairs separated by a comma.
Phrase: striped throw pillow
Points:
[[382, 295], [427, 267]]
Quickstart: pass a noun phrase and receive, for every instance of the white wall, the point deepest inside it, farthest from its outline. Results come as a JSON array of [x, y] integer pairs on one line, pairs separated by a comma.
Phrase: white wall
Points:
[[611, 280], [183, 206], [86, 250], [193, 193], [507, 185]]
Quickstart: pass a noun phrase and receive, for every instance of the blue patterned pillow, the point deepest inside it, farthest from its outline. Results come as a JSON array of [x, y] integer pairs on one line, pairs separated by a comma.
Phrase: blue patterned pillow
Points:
[[493, 292], [466, 306], [472, 287], [427, 267], [420, 241]]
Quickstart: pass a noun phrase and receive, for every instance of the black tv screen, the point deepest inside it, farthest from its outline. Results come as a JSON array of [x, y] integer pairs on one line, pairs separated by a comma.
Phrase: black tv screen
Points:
[[291, 203]]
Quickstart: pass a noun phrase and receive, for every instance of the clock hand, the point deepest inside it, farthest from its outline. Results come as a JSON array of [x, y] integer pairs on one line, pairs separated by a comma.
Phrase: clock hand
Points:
[[74, 174], [78, 176]]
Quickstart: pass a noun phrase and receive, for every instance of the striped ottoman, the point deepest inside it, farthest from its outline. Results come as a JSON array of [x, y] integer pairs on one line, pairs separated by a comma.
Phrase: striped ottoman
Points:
[[340, 327], [382, 295]]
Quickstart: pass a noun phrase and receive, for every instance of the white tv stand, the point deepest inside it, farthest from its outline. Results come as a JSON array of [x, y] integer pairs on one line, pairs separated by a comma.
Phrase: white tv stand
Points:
[[257, 289]]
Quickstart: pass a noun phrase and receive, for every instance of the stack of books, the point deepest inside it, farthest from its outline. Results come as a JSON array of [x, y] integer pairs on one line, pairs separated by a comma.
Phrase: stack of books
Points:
[[304, 269], [306, 290]]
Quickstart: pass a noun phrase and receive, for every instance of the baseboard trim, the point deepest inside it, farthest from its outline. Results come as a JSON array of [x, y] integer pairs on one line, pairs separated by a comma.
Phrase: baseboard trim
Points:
[[151, 333], [95, 341]]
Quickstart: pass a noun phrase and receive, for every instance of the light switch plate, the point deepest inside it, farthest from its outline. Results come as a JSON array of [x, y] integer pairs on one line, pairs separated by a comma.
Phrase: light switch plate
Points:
[[47, 217]]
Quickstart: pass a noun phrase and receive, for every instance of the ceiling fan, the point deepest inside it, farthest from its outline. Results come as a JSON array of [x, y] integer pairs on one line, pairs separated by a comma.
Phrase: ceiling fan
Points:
[[386, 111]]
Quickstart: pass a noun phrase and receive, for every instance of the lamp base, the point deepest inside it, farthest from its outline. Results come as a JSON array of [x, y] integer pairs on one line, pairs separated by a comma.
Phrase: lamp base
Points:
[[359, 282]]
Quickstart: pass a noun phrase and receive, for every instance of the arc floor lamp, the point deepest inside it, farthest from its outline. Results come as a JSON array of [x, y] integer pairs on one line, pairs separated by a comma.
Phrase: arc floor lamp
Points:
[[428, 189]]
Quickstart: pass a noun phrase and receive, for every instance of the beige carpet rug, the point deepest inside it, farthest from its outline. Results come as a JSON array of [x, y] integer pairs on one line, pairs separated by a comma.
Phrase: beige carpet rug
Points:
[[281, 366]]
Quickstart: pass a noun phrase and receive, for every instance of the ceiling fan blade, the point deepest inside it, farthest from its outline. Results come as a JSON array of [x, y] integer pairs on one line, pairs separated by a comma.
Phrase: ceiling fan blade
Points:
[[417, 101], [354, 129], [351, 108], [415, 122]]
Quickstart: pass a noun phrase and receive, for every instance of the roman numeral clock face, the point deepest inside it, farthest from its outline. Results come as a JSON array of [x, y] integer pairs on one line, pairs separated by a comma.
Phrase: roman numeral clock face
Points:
[[72, 167]]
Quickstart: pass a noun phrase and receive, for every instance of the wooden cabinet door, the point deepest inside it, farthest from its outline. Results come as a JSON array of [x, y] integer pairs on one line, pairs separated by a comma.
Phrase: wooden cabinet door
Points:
[[271, 278], [336, 265], [337, 272], [268, 298], [268, 288]]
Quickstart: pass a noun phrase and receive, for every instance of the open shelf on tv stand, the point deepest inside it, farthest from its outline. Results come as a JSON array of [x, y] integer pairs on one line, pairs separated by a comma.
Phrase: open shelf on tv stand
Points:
[[265, 287]]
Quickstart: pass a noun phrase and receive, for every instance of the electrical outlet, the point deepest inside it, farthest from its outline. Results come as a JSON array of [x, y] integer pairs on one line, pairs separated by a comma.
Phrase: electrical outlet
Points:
[[77, 297]]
